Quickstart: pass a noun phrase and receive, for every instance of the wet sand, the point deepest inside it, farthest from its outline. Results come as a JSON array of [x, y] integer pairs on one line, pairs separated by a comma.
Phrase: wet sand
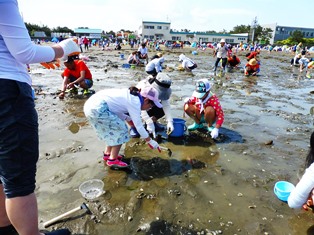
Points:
[[206, 186]]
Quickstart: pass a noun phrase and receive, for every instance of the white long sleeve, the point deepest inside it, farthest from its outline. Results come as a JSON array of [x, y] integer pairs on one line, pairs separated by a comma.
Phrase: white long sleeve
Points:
[[147, 119], [167, 110], [302, 191], [16, 46]]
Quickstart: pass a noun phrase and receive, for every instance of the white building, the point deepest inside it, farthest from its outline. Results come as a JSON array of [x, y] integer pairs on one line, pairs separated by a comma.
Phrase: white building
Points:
[[161, 30], [154, 30], [283, 32], [87, 32]]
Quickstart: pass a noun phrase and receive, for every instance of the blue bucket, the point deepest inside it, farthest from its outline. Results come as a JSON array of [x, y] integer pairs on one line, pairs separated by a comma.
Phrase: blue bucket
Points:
[[121, 56], [126, 66], [179, 127], [283, 189]]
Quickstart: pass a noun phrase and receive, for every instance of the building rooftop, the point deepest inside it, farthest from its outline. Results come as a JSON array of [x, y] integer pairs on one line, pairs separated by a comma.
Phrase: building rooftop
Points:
[[87, 30], [155, 22]]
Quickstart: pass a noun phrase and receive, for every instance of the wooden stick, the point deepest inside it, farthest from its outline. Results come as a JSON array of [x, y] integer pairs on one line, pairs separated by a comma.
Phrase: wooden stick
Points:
[[52, 221]]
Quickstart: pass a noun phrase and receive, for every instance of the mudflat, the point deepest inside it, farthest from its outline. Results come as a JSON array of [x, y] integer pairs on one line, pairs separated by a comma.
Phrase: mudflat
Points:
[[205, 187]]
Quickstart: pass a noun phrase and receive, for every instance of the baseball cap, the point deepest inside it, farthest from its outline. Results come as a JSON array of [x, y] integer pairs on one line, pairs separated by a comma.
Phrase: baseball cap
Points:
[[151, 93], [71, 58], [202, 86]]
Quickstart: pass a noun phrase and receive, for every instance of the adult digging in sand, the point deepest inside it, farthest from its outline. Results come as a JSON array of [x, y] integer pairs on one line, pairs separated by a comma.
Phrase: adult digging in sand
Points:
[[19, 151], [162, 84], [109, 109]]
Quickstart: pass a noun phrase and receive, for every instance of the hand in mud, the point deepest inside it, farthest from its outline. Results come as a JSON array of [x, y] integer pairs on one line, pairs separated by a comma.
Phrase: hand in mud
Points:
[[61, 95], [70, 85]]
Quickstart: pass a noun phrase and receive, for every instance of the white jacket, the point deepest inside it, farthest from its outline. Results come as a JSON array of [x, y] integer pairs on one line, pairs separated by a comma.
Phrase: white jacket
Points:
[[16, 47], [155, 63], [303, 189]]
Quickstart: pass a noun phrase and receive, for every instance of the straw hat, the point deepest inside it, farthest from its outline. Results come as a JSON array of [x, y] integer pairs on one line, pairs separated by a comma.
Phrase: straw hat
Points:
[[252, 62]]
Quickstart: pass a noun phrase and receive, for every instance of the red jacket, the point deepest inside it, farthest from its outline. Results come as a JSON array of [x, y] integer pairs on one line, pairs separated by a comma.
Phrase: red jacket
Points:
[[213, 102]]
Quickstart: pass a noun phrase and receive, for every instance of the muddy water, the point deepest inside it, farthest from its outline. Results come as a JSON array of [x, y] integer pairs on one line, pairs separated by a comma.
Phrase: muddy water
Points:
[[206, 186]]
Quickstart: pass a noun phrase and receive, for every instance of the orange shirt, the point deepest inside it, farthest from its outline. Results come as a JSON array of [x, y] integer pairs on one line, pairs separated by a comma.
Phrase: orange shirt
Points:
[[252, 67], [252, 55], [233, 62], [79, 66]]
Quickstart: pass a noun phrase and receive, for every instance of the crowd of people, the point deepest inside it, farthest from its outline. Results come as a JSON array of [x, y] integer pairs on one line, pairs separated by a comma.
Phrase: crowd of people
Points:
[[111, 112]]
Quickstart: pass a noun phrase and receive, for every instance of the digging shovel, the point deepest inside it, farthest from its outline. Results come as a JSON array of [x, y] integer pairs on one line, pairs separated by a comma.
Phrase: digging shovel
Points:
[[54, 220]]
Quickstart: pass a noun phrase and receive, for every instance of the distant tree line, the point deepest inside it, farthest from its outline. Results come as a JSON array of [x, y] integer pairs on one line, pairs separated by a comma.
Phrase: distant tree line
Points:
[[260, 34], [295, 38], [32, 28]]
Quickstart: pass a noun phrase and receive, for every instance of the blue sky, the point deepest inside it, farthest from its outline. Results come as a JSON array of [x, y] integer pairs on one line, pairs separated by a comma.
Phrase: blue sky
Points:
[[195, 15]]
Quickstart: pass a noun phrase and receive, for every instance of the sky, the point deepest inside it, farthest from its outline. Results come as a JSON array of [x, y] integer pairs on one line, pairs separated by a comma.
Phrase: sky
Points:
[[194, 15]]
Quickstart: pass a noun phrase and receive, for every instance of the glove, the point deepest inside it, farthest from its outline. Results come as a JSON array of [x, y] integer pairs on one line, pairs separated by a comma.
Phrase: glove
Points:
[[151, 128], [170, 128], [51, 65], [69, 47], [153, 145], [214, 133]]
